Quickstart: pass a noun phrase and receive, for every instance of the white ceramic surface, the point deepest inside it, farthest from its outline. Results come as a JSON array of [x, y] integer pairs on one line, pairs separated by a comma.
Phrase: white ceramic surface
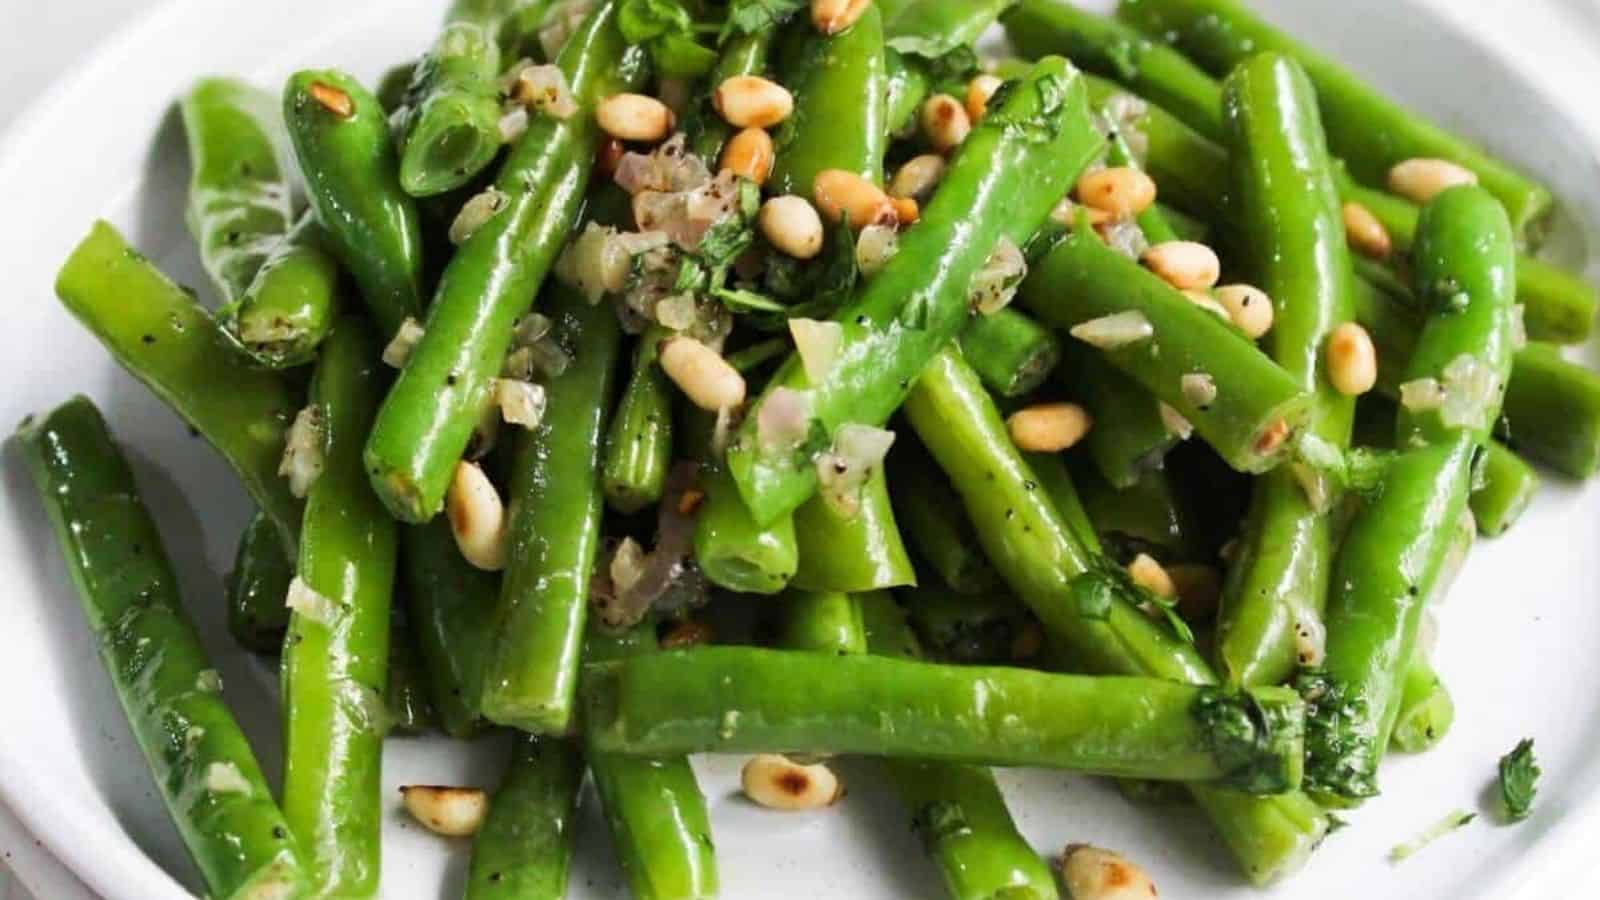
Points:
[[1518, 631]]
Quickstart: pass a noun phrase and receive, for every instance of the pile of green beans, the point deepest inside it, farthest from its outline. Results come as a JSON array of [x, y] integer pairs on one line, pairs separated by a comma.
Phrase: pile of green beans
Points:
[[851, 397]]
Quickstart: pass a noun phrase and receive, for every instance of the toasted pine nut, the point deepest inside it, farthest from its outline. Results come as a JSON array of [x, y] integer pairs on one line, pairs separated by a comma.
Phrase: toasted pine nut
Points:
[[906, 210], [332, 99], [749, 154], [1091, 873], [918, 177], [1352, 360], [450, 811], [1272, 437], [688, 633], [839, 193], [1185, 265], [834, 16], [609, 157], [750, 101], [689, 501], [1122, 191], [1205, 301], [635, 117], [1152, 576], [1249, 307], [1364, 233], [1420, 179], [979, 90], [1048, 427], [778, 782], [1199, 590], [703, 375], [477, 518], [792, 225], [945, 122]]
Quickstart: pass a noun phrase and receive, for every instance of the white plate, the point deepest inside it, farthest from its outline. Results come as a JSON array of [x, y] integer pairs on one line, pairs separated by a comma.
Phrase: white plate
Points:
[[1519, 635]]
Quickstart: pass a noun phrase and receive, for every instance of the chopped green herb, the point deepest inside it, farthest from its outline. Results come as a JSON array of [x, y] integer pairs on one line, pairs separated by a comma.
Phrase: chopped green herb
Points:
[[1519, 779], [751, 16]]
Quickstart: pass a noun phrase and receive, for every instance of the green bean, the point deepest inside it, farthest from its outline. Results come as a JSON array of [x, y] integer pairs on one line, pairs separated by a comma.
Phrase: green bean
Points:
[[1256, 405], [1502, 489], [653, 805], [392, 86], [1051, 471], [731, 548], [341, 140], [1292, 233], [156, 330], [942, 538], [1144, 517], [934, 28], [524, 849], [1130, 436], [747, 700], [553, 533], [1366, 129], [408, 701], [1012, 353], [336, 655], [1552, 412], [519, 30], [452, 609], [999, 185], [1426, 710], [906, 85], [449, 128], [1111, 49], [198, 757], [428, 417], [851, 553], [638, 449], [239, 204], [1558, 306], [821, 622], [1398, 544], [1037, 553], [289, 307], [256, 586], [840, 119]]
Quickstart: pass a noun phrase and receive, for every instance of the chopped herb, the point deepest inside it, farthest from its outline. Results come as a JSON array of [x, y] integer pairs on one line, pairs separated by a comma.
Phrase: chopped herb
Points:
[[1455, 820], [1519, 779], [667, 30], [751, 16]]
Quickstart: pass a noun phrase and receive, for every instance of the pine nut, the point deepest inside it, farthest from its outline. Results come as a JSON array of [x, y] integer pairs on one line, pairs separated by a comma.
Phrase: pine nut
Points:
[[635, 117], [688, 633], [792, 225], [979, 90], [834, 16], [1199, 590], [1365, 234], [332, 99], [1048, 427], [609, 157], [778, 782], [1272, 437], [839, 193], [750, 101], [945, 122], [1419, 180], [477, 518], [1352, 360], [1186, 265], [1249, 307], [906, 210], [703, 375], [1092, 873], [450, 811], [749, 154], [918, 177], [1122, 191], [1152, 576]]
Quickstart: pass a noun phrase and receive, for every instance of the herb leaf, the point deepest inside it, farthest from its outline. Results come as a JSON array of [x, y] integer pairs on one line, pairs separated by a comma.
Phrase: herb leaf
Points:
[[751, 16], [668, 30], [1519, 778]]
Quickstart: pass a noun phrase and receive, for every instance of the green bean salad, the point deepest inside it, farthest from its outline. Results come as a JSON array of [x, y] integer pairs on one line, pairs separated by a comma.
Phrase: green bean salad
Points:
[[642, 378]]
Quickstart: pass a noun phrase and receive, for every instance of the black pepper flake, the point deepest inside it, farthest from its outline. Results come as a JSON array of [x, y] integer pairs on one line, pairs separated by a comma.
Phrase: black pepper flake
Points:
[[279, 832], [494, 876], [450, 379], [194, 432], [148, 339], [863, 321], [1028, 485]]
